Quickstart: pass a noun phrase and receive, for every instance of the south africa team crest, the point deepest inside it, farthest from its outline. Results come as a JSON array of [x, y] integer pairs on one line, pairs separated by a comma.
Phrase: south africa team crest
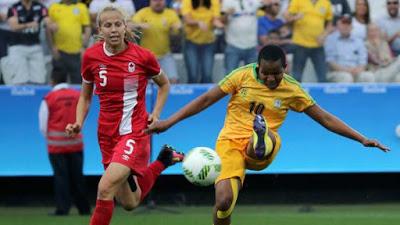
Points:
[[277, 103]]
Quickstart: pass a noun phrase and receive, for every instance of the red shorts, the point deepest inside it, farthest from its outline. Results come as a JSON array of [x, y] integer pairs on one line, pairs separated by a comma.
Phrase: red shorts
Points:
[[126, 150]]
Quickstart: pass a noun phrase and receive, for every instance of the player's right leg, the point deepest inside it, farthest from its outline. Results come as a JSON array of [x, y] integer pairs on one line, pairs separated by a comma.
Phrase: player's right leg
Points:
[[111, 181]]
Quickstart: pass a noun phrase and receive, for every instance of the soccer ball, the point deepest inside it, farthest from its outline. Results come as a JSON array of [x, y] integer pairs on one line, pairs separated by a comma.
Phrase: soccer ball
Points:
[[201, 166]]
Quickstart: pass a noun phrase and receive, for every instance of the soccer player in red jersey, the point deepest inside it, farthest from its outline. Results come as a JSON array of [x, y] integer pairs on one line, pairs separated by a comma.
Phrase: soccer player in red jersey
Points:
[[119, 70]]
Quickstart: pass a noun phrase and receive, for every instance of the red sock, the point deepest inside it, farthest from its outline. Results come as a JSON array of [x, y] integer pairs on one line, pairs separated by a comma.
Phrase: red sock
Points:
[[149, 177], [102, 213]]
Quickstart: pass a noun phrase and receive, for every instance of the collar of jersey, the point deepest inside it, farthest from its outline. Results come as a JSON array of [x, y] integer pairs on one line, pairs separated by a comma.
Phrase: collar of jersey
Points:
[[106, 51], [255, 74]]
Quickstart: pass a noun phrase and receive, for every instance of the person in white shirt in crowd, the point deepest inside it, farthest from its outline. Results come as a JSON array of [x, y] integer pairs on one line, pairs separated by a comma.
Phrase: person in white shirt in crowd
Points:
[[240, 21], [346, 55], [386, 68], [361, 18], [390, 25]]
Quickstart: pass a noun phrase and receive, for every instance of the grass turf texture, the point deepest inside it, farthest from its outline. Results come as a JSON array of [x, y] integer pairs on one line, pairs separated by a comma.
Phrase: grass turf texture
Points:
[[371, 214]]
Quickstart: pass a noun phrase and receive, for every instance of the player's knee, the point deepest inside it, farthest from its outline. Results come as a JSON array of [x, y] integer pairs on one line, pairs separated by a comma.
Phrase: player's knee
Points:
[[129, 206], [106, 189], [223, 202]]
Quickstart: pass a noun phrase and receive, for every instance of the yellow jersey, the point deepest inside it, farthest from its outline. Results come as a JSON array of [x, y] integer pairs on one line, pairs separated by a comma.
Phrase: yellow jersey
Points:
[[307, 29], [69, 19], [193, 33], [249, 96], [156, 37]]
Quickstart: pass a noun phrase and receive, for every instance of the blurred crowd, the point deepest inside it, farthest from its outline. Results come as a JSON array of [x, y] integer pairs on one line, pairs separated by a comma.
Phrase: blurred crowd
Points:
[[344, 45]]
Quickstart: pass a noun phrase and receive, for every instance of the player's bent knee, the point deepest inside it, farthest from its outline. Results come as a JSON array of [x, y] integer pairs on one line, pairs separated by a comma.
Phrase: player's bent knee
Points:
[[223, 202], [226, 202], [129, 206]]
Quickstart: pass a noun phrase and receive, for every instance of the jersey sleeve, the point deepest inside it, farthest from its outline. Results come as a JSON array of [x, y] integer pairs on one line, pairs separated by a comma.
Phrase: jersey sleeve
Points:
[[329, 12], [87, 74], [152, 65], [85, 20], [301, 100], [230, 83]]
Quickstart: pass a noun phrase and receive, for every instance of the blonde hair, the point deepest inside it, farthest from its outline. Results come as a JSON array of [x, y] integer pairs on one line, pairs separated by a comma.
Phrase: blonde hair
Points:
[[130, 35]]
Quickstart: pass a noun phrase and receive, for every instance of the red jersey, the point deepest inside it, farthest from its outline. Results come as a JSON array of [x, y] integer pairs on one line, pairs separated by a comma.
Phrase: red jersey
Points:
[[61, 105], [120, 82]]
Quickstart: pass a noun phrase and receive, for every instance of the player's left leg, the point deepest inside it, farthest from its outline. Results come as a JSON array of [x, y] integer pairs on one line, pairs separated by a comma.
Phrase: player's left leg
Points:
[[226, 194], [230, 180], [136, 188], [168, 156], [263, 140], [129, 194]]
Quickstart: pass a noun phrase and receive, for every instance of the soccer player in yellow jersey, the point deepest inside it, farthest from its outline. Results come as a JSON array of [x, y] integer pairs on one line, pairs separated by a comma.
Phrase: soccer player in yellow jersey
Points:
[[261, 95]]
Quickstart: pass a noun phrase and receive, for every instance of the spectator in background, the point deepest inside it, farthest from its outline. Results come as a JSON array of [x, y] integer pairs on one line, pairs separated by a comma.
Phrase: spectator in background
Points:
[[270, 22], [381, 62], [312, 23], [340, 8], [200, 18], [68, 41], [4, 31], [346, 55], [65, 153], [390, 25], [157, 23], [240, 32], [25, 62], [361, 19]]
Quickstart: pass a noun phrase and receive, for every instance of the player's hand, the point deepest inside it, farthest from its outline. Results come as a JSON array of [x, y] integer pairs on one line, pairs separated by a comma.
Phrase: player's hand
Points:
[[376, 144], [157, 127], [72, 129], [152, 118]]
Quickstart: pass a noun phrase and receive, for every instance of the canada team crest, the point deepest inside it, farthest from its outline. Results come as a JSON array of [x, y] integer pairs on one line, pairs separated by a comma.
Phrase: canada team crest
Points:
[[131, 67]]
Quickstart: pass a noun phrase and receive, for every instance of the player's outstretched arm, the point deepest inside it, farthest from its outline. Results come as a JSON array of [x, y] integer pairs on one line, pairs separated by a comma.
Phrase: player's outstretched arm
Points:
[[336, 125], [192, 108], [81, 109]]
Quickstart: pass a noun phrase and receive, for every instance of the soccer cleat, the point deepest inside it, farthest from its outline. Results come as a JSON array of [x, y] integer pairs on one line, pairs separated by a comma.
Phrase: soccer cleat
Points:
[[169, 156], [262, 144]]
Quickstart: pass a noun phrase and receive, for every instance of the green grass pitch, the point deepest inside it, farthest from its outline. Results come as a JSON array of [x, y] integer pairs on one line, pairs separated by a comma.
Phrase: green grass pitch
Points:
[[369, 214]]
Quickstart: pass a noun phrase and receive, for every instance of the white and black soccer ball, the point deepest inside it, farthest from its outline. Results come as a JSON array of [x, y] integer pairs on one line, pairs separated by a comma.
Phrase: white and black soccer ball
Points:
[[201, 166]]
